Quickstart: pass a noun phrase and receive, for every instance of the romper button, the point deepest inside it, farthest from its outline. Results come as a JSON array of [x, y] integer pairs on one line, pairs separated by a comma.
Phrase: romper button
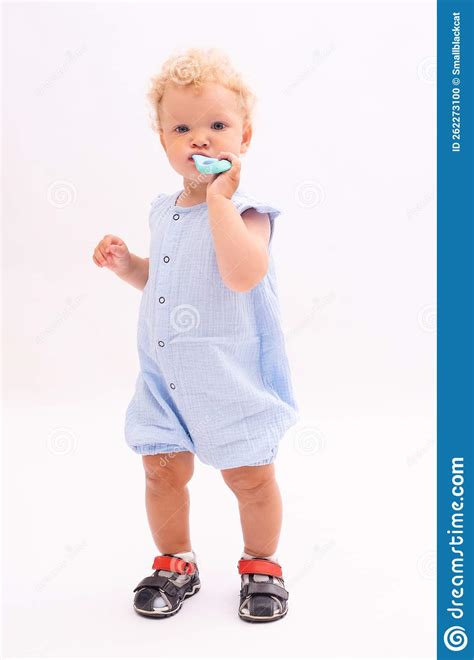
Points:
[[161, 343], [161, 299], [173, 386], [166, 259], [176, 216]]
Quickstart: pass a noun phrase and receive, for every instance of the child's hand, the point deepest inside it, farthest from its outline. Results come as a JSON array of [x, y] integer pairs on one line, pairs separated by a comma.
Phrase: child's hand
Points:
[[113, 253], [225, 183]]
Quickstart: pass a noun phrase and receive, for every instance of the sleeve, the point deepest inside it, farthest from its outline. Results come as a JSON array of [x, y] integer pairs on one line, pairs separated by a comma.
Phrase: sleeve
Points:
[[248, 202]]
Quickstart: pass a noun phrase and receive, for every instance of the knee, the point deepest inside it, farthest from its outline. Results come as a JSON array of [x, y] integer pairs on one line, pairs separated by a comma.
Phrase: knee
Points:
[[163, 471], [249, 481]]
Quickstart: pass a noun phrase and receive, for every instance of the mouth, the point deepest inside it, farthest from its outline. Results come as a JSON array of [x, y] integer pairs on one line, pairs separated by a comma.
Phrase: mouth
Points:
[[192, 159]]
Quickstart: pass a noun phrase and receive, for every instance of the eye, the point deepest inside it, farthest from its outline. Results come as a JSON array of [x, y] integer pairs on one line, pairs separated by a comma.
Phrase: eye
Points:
[[182, 126], [219, 122]]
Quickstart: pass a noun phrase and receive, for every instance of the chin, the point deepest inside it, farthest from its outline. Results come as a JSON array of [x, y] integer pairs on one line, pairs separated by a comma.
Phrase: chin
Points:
[[193, 173]]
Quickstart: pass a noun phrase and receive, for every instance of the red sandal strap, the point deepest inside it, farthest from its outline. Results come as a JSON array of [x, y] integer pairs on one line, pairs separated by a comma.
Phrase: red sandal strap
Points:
[[174, 564], [262, 566]]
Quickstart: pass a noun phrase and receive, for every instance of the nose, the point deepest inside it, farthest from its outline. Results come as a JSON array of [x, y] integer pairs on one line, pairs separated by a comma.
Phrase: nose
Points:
[[200, 142]]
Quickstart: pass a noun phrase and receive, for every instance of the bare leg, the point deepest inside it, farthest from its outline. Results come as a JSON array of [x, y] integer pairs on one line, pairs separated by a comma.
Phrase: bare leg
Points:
[[167, 499], [260, 506]]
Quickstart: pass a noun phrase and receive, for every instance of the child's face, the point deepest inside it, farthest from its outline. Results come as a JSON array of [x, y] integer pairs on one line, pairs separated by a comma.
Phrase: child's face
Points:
[[205, 122]]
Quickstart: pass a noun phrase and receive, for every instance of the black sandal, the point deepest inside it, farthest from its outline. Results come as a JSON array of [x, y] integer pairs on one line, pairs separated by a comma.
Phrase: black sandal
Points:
[[159, 585], [262, 601]]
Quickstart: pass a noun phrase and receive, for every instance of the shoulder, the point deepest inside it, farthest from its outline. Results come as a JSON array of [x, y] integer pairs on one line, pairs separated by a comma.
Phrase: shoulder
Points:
[[160, 205], [160, 200]]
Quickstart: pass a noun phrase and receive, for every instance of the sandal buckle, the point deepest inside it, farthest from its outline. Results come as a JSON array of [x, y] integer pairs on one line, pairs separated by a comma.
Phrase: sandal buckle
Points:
[[174, 564]]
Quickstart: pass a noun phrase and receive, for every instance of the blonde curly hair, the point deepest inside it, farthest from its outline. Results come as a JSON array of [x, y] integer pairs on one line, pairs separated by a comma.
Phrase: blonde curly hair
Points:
[[196, 66]]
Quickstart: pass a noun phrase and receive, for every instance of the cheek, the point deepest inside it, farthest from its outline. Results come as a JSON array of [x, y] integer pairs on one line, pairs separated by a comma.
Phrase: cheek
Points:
[[176, 153]]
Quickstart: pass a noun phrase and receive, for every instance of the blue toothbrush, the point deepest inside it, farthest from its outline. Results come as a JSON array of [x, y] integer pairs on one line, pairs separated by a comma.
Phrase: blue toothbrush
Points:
[[207, 165]]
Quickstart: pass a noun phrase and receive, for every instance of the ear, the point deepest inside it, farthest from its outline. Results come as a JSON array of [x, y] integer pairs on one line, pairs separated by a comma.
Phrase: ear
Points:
[[246, 137]]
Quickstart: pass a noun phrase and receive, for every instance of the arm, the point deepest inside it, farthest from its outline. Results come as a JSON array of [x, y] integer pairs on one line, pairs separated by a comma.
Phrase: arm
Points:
[[113, 253], [240, 242], [137, 273]]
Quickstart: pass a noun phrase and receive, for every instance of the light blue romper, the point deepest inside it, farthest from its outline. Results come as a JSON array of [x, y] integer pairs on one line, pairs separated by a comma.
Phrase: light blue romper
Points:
[[214, 375]]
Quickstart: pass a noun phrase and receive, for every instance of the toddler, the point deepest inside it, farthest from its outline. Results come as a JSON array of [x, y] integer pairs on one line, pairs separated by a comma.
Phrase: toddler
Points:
[[214, 377]]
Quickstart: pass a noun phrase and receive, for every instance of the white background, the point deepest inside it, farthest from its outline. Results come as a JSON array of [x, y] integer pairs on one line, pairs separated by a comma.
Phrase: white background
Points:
[[345, 143]]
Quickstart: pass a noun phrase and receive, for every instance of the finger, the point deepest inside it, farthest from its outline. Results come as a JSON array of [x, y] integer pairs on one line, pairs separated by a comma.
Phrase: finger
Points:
[[118, 250], [110, 239], [98, 256], [103, 254], [234, 170], [229, 156], [96, 261]]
